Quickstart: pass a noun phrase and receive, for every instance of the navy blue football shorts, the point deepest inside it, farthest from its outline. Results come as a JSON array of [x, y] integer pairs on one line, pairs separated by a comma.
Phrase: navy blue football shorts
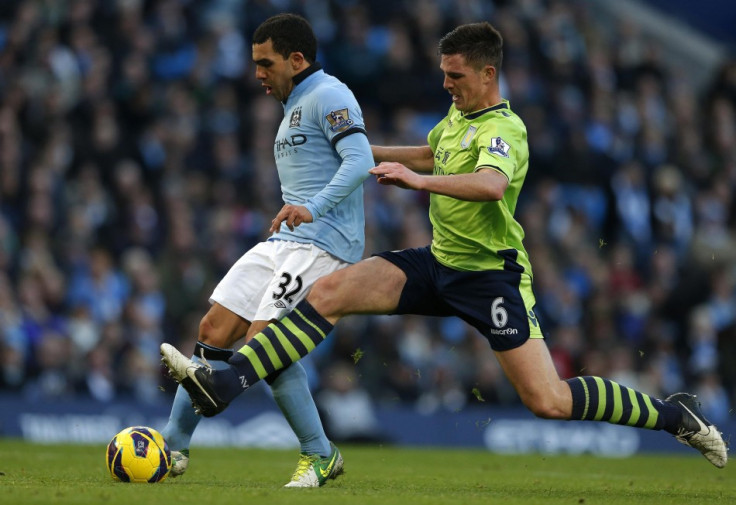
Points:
[[498, 303]]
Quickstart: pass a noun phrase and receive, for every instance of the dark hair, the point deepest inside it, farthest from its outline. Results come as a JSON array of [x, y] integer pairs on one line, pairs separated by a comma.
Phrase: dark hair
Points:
[[480, 43], [289, 33]]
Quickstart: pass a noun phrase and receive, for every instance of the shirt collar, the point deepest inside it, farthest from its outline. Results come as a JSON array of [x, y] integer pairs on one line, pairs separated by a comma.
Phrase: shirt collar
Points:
[[479, 113], [301, 76], [314, 67]]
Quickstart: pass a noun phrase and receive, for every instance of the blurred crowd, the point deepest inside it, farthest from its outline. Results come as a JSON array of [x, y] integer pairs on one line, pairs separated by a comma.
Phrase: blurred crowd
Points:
[[136, 165]]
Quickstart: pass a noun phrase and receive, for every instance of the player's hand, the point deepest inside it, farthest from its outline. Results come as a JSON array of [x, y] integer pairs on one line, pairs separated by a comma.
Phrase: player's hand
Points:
[[292, 216], [396, 174]]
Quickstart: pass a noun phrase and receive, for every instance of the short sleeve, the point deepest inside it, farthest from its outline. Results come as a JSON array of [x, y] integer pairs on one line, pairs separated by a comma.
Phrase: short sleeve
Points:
[[497, 149], [338, 113]]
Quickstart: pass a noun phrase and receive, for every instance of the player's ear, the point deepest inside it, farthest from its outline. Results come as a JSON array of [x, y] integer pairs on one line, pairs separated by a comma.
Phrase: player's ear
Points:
[[296, 59], [489, 72]]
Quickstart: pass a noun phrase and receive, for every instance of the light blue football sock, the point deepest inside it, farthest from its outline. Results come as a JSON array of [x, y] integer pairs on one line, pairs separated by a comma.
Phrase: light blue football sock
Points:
[[291, 393], [182, 420]]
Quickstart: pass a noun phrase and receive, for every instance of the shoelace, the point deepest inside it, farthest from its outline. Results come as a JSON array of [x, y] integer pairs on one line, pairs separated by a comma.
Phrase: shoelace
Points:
[[684, 435], [204, 360], [304, 464]]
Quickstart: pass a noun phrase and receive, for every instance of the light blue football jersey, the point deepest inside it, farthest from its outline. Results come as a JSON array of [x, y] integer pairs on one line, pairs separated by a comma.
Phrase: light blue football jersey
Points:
[[319, 112]]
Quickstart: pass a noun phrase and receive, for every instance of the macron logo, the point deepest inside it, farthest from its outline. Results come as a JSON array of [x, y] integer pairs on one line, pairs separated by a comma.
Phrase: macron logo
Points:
[[505, 331], [243, 382]]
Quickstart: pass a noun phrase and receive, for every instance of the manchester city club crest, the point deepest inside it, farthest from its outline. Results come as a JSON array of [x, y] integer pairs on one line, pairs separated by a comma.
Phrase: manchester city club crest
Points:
[[339, 120], [296, 118]]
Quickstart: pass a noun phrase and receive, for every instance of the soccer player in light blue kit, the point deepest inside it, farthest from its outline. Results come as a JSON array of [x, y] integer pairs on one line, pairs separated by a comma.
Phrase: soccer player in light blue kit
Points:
[[322, 156]]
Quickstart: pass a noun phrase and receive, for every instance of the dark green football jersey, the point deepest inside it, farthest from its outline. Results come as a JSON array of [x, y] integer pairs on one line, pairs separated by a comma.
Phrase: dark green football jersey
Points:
[[479, 235]]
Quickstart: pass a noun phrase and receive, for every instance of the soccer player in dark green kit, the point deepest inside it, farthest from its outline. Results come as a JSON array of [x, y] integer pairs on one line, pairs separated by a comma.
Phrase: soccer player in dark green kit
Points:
[[476, 267]]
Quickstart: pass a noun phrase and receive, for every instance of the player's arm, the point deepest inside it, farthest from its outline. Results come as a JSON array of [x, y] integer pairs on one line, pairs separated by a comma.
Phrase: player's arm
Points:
[[418, 158], [355, 152], [485, 184]]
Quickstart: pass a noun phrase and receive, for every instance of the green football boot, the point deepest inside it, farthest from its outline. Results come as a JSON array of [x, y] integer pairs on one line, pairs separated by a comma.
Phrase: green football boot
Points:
[[314, 470]]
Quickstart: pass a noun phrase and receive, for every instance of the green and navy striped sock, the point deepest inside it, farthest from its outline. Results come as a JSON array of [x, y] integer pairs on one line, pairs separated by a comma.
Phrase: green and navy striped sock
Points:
[[274, 348], [597, 399]]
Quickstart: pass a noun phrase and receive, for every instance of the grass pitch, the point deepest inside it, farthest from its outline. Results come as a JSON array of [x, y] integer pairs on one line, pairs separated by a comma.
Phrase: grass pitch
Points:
[[51, 474]]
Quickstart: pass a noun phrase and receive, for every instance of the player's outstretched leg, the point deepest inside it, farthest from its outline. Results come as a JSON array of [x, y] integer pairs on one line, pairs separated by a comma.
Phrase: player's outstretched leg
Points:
[[314, 471], [598, 399], [696, 431], [276, 347]]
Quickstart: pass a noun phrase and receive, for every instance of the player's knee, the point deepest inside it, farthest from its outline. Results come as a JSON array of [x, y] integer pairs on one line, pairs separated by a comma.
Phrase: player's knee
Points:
[[323, 296]]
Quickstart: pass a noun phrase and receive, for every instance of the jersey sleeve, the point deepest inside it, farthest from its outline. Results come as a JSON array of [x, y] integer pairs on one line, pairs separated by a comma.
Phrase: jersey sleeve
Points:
[[338, 113], [498, 148]]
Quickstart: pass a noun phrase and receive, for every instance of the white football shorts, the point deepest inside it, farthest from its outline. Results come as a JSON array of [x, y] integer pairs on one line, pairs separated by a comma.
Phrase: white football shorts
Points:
[[272, 277]]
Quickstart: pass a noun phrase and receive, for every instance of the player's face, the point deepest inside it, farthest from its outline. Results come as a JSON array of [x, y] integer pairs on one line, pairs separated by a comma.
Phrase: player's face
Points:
[[273, 70], [469, 87]]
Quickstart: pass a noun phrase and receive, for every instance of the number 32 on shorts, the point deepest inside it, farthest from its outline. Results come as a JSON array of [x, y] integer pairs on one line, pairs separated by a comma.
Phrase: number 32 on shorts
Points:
[[282, 292]]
